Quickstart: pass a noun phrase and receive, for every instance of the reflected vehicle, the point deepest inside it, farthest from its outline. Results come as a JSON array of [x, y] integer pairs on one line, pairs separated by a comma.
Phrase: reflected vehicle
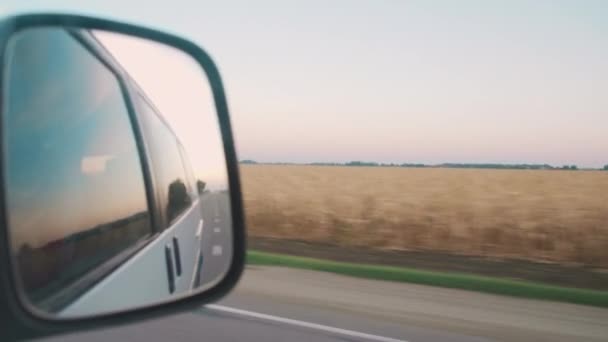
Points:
[[105, 211]]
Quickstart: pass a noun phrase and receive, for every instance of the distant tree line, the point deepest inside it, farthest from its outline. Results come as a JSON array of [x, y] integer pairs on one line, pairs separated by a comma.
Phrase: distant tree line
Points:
[[358, 163], [508, 166]]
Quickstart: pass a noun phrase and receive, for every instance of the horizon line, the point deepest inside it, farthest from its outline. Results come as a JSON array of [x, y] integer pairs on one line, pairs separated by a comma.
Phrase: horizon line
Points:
[[441, 164]]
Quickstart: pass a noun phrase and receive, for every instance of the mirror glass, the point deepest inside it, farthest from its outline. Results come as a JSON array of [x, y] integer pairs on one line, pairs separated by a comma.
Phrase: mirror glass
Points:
[[115, 182]]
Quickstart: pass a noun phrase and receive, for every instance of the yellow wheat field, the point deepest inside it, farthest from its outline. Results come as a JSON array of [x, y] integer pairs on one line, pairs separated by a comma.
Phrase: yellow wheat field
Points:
[[557, 216]]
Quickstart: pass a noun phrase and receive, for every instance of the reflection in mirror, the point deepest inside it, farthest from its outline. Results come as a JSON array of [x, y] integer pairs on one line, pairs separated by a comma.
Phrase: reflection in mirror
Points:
[[116, 181]]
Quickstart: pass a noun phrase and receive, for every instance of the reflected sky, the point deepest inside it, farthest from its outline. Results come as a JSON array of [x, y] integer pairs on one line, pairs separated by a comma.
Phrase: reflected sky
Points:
[[72, 162], [182, 94]]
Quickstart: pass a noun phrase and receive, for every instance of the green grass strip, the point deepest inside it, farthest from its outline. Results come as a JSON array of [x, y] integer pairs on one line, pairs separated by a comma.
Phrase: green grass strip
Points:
[[500, 286]]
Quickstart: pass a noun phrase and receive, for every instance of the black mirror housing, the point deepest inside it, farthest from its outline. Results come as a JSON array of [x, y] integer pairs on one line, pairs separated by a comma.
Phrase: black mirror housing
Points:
[[18, 320]]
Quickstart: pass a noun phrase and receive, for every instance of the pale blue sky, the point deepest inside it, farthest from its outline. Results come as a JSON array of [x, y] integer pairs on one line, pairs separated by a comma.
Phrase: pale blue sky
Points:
[[399, 81]]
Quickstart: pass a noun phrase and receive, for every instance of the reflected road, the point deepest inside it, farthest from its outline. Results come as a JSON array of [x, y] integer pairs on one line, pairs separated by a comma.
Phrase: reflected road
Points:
[[216, 243]]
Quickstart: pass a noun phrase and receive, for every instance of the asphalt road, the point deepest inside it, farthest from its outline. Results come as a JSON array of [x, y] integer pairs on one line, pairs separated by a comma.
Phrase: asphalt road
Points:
[[279, 304], [216, 243]]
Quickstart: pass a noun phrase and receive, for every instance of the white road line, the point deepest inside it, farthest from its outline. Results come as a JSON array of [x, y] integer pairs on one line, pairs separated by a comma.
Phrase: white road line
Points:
[[326, 328], [216, 250], [217, 230], [199, 231]]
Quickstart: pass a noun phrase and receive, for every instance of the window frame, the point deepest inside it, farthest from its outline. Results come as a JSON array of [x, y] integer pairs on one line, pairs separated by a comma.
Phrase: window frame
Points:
[[164, 222], [130, 91], [191, 178]]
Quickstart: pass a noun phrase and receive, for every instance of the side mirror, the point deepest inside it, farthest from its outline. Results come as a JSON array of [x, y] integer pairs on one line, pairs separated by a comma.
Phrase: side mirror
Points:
[[118, 168]]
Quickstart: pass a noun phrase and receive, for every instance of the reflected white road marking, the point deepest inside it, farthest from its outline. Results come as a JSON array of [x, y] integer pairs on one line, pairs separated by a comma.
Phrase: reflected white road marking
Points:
[[199, 230], [309, 325], [216, 250], [217, 230]]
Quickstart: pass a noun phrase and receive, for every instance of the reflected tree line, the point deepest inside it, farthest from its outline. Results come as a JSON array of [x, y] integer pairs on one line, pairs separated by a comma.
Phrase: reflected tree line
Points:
[[179, 198], [50, 268]]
